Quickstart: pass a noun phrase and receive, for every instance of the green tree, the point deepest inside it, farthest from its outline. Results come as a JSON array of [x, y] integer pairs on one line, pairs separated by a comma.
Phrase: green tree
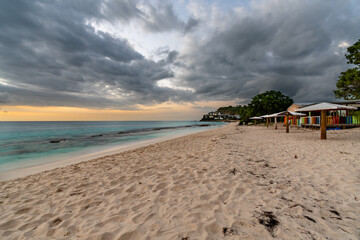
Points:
[[354, 54], [229, 110], [245, 114], [348, 84], [269, 102], [264, 103]]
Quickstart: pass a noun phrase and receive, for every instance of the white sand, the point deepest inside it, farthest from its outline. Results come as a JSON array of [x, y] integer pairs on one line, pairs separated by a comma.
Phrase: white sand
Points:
[[285, 186]]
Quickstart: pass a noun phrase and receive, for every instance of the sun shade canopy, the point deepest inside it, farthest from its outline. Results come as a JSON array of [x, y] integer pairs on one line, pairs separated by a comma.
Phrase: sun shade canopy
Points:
[[256, 118], [290, 113], [325, 106], [273, 115], [280, 114]]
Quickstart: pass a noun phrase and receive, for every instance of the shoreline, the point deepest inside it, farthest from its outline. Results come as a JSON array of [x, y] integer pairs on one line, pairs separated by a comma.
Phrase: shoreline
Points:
[[102, 152], [231, 182]]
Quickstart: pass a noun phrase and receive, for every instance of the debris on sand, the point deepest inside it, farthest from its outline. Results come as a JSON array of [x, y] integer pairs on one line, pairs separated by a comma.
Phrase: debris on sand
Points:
[[269, 221], [335, 212], [310, 219], [229, 231], [233, 171]]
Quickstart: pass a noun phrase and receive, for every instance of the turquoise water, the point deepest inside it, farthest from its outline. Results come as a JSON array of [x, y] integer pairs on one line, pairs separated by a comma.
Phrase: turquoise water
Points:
[[22, 144]]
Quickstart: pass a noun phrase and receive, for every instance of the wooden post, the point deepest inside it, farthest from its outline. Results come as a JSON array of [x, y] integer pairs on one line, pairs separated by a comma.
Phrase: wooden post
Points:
[[255, 122], [323, 124], [267, 122], [275, 122], [287, 122]]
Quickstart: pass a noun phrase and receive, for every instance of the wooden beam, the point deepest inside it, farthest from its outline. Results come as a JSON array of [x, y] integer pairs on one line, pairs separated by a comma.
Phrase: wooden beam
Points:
[[323, 124], [287, 122], [267, 122], [255, 122], [275, 122]]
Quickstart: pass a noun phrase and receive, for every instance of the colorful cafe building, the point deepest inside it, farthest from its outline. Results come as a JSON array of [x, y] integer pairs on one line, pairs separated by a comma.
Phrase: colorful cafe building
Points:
[[335, 118]]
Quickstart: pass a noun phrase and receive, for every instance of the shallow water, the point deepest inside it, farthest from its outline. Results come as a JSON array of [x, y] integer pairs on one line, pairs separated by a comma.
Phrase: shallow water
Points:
[[22, 144]]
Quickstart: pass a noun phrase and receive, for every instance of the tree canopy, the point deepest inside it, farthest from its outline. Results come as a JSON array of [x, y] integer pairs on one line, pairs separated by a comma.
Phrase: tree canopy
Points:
[[348, 84], [262, 104], [354, 54], [269, 102], [229, 110]]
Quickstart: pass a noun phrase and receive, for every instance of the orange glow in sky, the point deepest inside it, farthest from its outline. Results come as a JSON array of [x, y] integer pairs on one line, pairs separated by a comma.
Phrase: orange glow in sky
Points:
[[161, 112]]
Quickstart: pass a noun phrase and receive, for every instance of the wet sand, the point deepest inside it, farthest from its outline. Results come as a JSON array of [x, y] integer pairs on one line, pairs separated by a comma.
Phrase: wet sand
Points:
[[234, 182]]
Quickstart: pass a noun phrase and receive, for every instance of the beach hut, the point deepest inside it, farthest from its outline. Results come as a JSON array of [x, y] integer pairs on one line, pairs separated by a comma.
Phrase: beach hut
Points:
[[323, 108], [287, 114], [255, 118]]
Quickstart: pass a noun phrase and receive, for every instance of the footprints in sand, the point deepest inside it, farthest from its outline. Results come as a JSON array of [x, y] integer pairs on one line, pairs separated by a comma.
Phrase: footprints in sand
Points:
[[13, 223], [23, 210], [75, 193], [55, 222], [113, 191], [160, 186], [219, 186], [205, 197], [131, 235], [240, 191], [93, 204]]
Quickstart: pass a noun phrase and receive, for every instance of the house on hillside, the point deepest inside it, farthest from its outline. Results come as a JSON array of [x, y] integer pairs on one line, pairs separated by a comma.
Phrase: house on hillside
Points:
[[219, 116]]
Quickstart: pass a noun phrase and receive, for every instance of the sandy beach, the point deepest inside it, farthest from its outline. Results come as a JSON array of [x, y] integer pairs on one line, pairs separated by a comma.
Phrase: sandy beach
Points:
[[234, 182]]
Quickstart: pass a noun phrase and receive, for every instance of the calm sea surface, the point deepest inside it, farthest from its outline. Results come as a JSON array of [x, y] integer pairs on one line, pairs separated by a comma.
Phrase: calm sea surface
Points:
[[24, 144]]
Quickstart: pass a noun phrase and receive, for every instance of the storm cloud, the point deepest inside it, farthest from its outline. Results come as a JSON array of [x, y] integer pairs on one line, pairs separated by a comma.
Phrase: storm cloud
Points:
[[52, 55], [291, 46]]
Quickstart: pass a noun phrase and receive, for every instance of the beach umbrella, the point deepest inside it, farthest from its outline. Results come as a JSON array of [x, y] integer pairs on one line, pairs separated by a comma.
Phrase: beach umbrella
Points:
[[255, 118], [323, 107], [287, 114]]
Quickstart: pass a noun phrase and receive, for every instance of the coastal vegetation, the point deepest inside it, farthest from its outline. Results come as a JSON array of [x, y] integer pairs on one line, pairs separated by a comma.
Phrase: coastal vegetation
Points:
[[348, 84], [269, 102], [261, 104]]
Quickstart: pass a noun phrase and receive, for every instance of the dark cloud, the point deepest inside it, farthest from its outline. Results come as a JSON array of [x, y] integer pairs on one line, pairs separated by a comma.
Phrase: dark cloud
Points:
[[124, 10], [171, 57], [203, 108], [190, 24], [51, 56], [4, 97], [166, 55], [291, 46], [161, 17]]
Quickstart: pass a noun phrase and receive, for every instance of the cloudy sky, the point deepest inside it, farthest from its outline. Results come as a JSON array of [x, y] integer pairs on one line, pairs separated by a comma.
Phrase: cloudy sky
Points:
[[148, 60]]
